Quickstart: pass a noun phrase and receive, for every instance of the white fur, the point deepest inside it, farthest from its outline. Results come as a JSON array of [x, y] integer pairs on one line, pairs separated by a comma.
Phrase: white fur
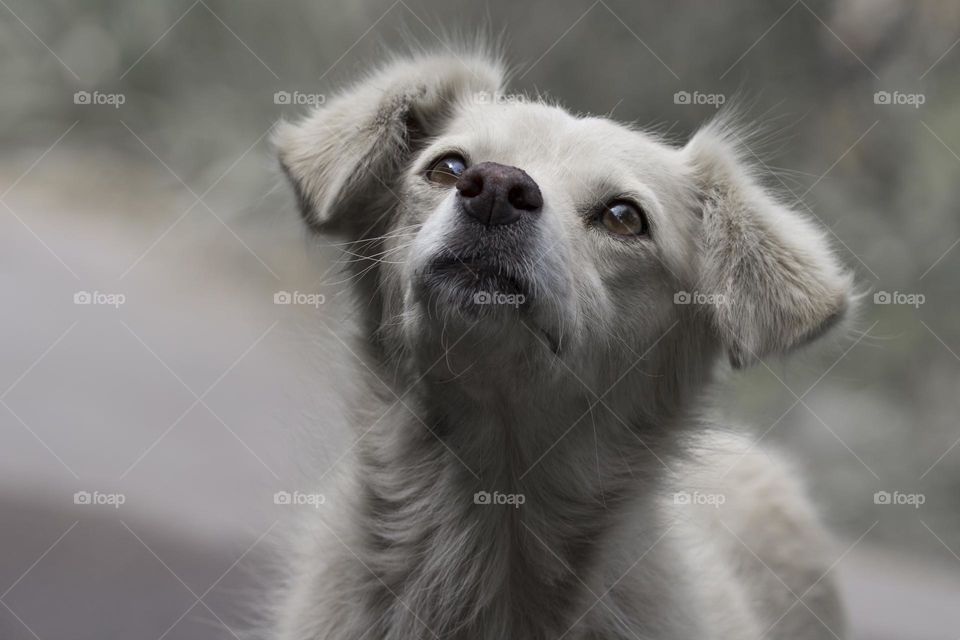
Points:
[[586, 400]]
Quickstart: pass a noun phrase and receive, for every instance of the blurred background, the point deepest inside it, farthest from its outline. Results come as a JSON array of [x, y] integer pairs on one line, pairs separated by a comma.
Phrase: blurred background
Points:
[[151, 388]]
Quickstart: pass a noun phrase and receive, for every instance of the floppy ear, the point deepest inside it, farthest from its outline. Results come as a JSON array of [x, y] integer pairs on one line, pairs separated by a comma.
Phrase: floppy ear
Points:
[[343, 159], [780, 284]]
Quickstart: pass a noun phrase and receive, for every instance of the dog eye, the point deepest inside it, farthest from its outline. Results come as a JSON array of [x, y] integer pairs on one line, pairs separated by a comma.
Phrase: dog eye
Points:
[[446, 170], [624, 219]]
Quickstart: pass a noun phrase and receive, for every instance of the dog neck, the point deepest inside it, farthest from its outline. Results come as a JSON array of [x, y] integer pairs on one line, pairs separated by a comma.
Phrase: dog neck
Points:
[[482, 509]]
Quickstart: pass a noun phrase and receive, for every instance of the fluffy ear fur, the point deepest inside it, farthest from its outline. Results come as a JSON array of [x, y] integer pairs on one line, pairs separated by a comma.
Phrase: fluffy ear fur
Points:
[[343, 158], [780, 283]]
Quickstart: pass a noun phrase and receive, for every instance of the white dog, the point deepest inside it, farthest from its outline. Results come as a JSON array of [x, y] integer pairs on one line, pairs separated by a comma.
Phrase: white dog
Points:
[[547, 299]]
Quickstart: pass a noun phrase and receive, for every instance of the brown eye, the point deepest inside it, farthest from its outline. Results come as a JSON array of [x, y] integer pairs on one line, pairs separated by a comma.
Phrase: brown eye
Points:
[[446, 170], [624, 219]]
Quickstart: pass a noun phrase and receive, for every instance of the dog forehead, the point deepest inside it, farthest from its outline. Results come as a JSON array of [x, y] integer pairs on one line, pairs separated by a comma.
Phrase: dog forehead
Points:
[[536, 132]]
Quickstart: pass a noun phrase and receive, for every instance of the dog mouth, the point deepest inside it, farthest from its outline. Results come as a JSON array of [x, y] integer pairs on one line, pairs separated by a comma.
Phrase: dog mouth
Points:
[[482, 286], [488, 279]]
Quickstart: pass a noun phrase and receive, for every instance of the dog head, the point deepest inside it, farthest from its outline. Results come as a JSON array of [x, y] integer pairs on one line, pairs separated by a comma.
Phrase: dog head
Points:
[[529, 233]]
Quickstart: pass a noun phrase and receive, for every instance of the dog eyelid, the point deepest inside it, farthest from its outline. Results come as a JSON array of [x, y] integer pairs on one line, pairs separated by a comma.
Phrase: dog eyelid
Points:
[[431, 159]]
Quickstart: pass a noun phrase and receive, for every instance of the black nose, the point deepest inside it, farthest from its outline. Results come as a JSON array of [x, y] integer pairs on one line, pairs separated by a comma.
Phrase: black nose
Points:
[[497, 194]]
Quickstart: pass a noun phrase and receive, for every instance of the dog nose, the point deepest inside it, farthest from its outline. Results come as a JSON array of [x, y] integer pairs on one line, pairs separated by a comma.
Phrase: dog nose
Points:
[[494, 193]]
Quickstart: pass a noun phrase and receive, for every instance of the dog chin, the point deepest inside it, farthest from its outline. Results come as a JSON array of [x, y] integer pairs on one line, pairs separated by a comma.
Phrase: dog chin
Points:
[[489, 300], [486, 308]]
